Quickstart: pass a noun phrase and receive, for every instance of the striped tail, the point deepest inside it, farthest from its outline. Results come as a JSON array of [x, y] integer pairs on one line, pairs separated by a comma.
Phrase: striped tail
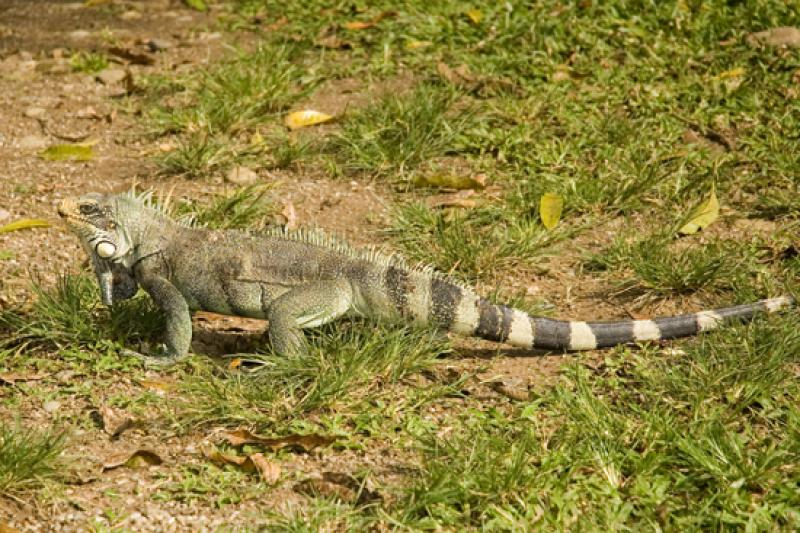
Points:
[[505, 324]]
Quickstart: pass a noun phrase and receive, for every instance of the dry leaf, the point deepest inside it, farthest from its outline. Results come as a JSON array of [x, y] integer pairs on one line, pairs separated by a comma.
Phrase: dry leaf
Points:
[[341, 486], [132, 56], [475, 15], [451, 181], [781, 36], [702, 216], [416, 45], [307, 443], [68, 152], [25, 223], [550, 206], [732, 73], [159, 386], [9, 378], [213, 454], [114, 422], [363, 25], [269, 470], [137, 459], [358, 25], [290, 215], [5, 528], [459, 199], [308, 117]]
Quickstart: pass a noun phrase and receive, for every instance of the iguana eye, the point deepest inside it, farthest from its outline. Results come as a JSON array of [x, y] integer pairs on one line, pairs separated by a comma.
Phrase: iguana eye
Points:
[[88, 209]]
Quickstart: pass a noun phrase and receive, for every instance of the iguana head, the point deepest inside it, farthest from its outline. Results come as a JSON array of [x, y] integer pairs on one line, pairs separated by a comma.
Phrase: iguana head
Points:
[[91, 218]]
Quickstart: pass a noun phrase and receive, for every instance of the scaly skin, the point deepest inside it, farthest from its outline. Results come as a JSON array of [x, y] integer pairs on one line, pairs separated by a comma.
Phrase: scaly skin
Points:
[[302, 280]]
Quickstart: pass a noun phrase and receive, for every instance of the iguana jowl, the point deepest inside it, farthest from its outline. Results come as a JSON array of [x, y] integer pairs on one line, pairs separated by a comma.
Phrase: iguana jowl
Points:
[[303, 280]]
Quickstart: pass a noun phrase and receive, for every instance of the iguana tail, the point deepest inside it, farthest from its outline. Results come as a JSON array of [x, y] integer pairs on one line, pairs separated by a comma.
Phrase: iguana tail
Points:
[[457, 308], [504, 324]]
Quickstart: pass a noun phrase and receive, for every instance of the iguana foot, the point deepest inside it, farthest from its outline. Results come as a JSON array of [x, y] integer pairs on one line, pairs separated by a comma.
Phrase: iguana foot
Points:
[[157, 358]]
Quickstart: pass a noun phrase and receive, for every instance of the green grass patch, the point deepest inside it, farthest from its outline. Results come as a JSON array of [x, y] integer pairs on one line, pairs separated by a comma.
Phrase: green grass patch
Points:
[[89, 62], [247, 207], [28, 456], [392, 136], [660, 265], [475, 243], [347, 365], [69, 317], [215, 112]]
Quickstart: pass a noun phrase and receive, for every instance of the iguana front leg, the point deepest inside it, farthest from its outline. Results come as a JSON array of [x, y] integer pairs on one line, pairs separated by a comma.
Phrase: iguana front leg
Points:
[[306, 306], [178, 335]]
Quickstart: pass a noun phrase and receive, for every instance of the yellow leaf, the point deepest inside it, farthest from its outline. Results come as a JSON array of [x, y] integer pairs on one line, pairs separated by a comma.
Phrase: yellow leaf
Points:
[[307, 117], [25, 223], [451, 181], [733, 73], [702, 216], [197, 5], [256, 139], [358, 25], [64, 152], [416, 45], [550, 207], [475, 16]]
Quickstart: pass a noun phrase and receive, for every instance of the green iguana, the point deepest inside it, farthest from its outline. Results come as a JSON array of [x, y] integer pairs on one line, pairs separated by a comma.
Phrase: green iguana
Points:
[[303, 280]]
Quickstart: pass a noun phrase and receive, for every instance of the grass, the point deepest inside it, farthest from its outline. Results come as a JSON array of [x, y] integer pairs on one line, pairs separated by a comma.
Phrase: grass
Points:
[[394, 135], [28, 456], [68, 315], [347, 366], [89, 62], [247, 207]]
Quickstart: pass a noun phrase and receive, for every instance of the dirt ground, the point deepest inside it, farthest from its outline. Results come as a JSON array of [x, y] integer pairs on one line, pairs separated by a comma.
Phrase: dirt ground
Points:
[[43, 102]]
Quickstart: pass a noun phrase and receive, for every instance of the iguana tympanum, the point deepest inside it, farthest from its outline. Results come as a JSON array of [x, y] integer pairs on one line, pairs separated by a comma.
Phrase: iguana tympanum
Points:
[[302, 280]]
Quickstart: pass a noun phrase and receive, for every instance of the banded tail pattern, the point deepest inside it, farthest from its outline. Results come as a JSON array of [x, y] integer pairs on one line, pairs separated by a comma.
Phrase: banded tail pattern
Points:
[[453, 307]]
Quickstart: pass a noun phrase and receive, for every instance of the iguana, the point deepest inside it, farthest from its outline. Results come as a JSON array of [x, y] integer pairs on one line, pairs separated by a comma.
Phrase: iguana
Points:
[[301, 280]]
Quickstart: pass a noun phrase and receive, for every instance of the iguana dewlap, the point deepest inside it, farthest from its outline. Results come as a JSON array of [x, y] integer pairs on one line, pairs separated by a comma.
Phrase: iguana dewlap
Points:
[[303, 280]]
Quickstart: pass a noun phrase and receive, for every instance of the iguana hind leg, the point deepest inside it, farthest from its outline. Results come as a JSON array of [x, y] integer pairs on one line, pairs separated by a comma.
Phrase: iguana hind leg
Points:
[[303, 307]]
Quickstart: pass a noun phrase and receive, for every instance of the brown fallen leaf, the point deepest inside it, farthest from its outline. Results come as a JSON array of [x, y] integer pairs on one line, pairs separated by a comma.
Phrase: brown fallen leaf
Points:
[[132, 56], [363, 25], [341, 486], [213, 454], [782, 36], [270, 471], [288, 212], [9, 378], [358, 25], [115, 422], [333, 42], [158, 386], [137, 459], [307, 443], [464, 199]]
